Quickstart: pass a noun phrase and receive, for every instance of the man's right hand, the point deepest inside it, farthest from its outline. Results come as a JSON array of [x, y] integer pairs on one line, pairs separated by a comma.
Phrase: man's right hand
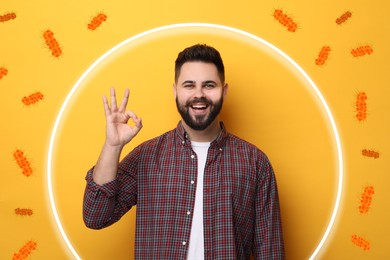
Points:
[[118, 130]]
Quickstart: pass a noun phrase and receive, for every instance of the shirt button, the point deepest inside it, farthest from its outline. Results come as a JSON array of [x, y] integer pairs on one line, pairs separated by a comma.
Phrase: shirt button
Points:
[[184, 243], [188, 212], [220, 149], [183, 142], [192, 156], [192, 182]]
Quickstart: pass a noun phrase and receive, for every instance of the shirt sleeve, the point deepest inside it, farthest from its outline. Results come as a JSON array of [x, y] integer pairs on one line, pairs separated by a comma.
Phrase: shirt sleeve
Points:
[[269, 243], [105, 204]]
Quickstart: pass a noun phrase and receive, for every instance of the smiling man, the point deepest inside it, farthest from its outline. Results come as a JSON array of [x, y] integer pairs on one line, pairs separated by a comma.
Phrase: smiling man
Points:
[[201, 192]]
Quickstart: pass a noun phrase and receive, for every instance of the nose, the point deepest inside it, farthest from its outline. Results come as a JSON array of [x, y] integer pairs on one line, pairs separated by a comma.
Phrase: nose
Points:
[[198, 92]]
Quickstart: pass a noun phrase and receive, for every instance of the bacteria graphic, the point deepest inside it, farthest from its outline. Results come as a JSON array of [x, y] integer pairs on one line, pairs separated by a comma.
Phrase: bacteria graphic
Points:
[[362, 50], [361, 106], [366, 199], [23, 163], [23, 212], [25, 251], [344, 17], [370, 153], [361, 242], [3, 72], [97, 21], [32, 99], [52, 43], [7, 17], [285, 20], [323, 56]]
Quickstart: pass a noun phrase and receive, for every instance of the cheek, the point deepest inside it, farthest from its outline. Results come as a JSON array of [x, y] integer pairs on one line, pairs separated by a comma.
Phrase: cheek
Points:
[[183, 96], [216, 96]]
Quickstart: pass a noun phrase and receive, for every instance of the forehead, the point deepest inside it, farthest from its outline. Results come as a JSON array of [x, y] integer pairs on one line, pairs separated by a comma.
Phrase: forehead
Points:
[[197, 70]]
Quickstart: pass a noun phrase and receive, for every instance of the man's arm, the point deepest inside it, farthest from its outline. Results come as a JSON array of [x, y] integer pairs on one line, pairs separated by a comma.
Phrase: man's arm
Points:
[[269, 242], [101, 205]]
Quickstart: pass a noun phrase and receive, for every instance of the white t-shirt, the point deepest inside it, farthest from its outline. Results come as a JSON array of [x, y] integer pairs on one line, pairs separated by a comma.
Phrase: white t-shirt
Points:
[[196, 246]]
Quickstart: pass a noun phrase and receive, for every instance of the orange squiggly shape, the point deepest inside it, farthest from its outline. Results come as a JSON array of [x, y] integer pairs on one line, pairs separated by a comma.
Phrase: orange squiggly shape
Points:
[[3, 72], [23, 163], [23, 212], [25, 251], [361, 242], [97, 21], [362, 50], [285, 20], [32, 99], [366, 199], [7, 17], [361, 106], [323, 56], [370, 153], [52, 43], [344, 17]]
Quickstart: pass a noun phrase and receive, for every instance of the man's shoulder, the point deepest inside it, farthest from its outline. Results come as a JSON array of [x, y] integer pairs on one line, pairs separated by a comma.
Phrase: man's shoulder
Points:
[[168, 136], [239, 141], [242, 145]]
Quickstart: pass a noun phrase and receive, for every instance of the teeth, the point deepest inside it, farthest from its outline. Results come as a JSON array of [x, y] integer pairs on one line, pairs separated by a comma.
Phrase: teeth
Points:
[[199, 107]]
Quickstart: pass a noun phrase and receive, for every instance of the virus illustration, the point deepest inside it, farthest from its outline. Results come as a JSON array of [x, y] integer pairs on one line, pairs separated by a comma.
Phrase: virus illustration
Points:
[[52, 43], [370, 153], [3, 72], [25, 251], [344, 17], [361, 242], [23, 163], [32, 99], [322, 56], [7, 17], [285, 20], [97, 21], [362, 50], [366, 199], [24, 212], [361, 106]]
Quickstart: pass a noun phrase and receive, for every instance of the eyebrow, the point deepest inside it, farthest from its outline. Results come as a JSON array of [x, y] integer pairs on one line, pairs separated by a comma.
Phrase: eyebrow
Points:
[[193, 82]]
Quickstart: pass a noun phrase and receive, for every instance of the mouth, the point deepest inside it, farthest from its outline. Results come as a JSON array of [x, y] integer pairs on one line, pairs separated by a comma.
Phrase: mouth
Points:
[[199, 106], [199, 109]]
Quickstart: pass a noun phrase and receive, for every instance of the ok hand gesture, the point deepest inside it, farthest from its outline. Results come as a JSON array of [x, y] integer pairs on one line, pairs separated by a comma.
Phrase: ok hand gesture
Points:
[[118, 131]]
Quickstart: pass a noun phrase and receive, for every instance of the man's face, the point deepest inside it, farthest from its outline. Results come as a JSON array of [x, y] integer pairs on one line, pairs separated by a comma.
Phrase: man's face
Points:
[[199, 94]]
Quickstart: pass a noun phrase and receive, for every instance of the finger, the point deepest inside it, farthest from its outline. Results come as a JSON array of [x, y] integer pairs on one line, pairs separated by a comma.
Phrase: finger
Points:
[[106, 106], [137, 121], [123, 105], [113, 99]]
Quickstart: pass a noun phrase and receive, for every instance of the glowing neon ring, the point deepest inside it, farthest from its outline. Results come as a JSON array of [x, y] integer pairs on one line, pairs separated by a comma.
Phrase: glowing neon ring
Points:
[[215, 26]]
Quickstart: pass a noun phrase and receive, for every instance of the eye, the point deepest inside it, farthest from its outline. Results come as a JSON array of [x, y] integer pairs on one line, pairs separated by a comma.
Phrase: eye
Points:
[[209, 85]]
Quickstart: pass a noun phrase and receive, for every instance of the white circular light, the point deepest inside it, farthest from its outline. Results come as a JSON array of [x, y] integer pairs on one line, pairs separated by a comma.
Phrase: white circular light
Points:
[[201, 25]]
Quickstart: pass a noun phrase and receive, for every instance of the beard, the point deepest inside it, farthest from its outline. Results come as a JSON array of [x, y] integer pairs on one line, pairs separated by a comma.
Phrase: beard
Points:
[[199, 122]]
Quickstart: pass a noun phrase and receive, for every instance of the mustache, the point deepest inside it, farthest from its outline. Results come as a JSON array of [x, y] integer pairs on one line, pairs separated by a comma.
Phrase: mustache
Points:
[[198, 100]]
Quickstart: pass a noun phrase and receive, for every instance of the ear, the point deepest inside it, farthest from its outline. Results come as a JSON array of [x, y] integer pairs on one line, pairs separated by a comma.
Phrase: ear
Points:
[[225, 89]]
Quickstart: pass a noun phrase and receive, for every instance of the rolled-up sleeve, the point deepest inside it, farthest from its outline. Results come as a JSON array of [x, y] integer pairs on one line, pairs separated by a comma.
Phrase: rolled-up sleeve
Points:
[[104, 205], [99, 203]]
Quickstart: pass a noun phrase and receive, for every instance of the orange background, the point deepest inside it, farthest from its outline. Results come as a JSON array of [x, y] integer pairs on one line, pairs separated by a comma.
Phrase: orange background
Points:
[[51, 111]]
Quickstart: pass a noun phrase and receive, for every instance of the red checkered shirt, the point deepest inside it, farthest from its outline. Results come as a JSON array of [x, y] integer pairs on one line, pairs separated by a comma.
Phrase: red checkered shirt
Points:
[[241, 205]]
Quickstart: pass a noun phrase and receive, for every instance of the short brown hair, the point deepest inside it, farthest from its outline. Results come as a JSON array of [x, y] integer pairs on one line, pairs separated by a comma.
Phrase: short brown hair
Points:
[[200, 52]]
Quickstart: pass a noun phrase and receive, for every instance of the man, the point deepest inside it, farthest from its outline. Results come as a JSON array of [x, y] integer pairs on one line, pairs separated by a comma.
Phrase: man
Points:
[[201, 193]]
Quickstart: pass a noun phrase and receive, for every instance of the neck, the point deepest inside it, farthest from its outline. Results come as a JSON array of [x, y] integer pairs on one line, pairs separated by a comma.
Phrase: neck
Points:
[[206, 135]]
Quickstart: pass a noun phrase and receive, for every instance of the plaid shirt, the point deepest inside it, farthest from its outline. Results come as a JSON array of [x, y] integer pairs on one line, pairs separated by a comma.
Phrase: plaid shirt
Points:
[[241, 206]]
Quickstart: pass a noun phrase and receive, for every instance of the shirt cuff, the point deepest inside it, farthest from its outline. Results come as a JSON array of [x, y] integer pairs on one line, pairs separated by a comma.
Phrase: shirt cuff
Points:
[[109, 189]]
